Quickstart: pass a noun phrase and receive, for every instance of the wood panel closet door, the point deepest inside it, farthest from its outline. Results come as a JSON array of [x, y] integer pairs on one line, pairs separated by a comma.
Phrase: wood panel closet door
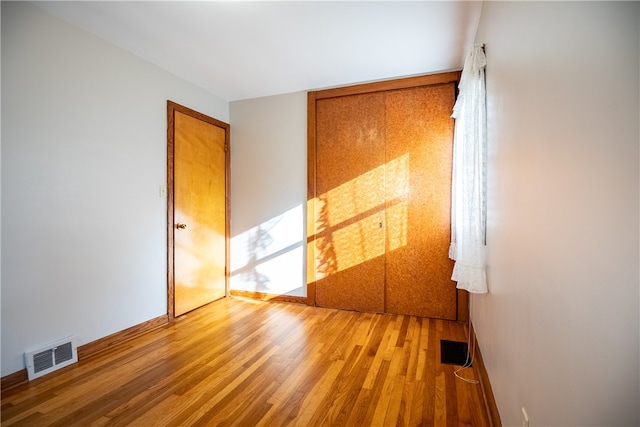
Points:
[[419, 158], [380, 186], [349, 208]]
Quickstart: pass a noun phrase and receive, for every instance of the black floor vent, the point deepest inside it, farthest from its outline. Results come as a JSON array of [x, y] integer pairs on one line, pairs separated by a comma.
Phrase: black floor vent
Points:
[[454, 353]]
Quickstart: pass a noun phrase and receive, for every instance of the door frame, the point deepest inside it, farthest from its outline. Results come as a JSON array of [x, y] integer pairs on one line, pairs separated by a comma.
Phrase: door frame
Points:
[[172, 108], [462, 297]]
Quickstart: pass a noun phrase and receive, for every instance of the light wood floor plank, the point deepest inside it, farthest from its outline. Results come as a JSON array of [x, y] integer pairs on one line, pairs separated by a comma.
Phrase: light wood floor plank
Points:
[[240, 362]]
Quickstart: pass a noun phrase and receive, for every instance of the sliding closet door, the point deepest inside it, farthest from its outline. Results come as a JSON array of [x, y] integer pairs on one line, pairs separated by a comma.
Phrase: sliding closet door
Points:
[[349, 206], [419, 150], [380, 180]]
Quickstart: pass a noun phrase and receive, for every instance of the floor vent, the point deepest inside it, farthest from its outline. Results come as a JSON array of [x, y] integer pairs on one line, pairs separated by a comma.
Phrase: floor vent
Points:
[[454, 353], [51, 357]]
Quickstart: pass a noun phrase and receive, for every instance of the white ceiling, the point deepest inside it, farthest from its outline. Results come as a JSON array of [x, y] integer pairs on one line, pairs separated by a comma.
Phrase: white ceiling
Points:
[[240, 50]]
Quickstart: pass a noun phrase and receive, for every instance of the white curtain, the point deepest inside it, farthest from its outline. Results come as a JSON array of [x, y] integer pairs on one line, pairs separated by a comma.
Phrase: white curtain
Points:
[[468, 213]]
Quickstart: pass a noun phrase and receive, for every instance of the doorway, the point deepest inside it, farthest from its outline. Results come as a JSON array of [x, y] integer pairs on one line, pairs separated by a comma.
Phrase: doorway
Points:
[[197, 209]]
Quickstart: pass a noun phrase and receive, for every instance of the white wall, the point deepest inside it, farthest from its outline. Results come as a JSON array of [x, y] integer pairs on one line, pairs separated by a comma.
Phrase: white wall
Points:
[[83, 156], [268, 194], [559, 331]]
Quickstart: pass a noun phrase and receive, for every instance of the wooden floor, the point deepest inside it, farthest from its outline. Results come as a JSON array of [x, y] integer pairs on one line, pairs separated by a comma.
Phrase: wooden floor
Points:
[[249, 363]]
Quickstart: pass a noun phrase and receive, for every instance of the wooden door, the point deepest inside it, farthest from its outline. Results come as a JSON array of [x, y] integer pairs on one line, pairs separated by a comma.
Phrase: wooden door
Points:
[[198, 218], [419, 153], [380, 192], [349, 208]]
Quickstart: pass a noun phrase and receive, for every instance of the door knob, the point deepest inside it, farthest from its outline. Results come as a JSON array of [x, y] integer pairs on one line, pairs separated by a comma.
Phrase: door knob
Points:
[[181, 226]]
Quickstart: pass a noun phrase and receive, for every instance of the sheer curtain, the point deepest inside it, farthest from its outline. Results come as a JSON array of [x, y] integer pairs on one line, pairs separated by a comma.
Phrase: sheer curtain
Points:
[[468, 213]]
